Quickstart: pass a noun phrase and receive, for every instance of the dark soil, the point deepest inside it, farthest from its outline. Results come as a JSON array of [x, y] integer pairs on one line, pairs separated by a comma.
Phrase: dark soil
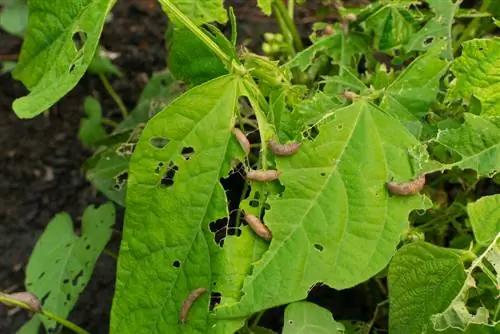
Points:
[[41, 158]]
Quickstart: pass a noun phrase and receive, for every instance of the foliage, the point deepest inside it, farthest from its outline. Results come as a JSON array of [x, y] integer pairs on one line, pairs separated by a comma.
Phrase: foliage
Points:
[[384, 95]]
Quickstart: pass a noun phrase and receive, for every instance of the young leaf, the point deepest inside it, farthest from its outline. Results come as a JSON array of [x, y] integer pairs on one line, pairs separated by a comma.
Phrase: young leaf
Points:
[[410, 96], [62, 262], [265, 6], [437, 28], [335, 222], [423, 280], [477, 142], [477, 75], [306, 317], [200, 12], [484, 215], [171, 200], [59, 45], [91, 130]]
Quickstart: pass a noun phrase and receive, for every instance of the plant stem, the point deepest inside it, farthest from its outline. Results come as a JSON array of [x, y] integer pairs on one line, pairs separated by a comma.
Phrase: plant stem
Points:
[[6, 299], [257, 319], [471, 29], [196, 31], [109, 122], [291, 8], [114, 95], [287, 25]]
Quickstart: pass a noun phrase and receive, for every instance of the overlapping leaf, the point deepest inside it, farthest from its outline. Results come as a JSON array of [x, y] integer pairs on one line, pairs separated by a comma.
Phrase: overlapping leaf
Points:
[[484, 215], [59, 45], [335, 222], [200, 12], [172, 197], [305, 317], [477, 73], [62, 262], [423, 280]]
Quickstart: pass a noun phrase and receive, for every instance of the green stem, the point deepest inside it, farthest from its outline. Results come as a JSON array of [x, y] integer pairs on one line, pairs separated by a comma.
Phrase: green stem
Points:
[[291, 8], [287, 25], [257, 319], [6, 299], [196, 31], [471, 29], [114, 95], [109, 122]]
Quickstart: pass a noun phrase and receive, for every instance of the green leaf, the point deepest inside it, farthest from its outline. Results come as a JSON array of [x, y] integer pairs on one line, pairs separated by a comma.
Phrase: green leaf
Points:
[[306, 317], [477, 74], [101, 64], [484, 215], [411, 95], [335, 213], [477, 142], [423, 280], [265, 6], [437, 28], [200, 12], [59, 45], [91, 130], [14, 16], [171, 201], [31, 327], [392, 26], [195, 70], [62, 262]]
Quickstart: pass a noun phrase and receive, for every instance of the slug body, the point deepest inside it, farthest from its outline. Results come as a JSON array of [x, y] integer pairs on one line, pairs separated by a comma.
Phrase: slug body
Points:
[[286, 149], [186, 306], [263, 175], [257, 226], [242, 139], [29, 299], [408, 188]]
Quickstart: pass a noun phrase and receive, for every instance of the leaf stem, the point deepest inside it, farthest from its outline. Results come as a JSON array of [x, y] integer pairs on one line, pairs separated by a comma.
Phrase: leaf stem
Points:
[[472, 27], [196, 31], [257, 319], [6, 299], [114, 95], [287, 26], [109, 122]]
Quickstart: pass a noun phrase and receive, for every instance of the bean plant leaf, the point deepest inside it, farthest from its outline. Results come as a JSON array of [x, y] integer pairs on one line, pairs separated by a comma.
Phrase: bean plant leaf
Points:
[[91, 130], [173, 195], [200, 12], [62, 262], [335, 222], [477, 142], [14, 16], [484, 215], [438, 28], [59, 45], [423, 280], [265, 6], [477, 73], [305, 317], [31, 327], [410, 96]]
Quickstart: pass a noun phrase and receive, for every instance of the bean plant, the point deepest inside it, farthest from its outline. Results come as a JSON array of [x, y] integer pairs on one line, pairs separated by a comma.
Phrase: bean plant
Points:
[[250, 178]]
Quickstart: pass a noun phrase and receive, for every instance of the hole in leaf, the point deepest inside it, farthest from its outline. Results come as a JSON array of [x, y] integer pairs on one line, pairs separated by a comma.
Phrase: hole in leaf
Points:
[[159, 142], [290, 322], [68, 297], [318, 247], [87, 247], [254, 203], [187, 152], [120, 181], [322, 174], [215, 298], [428, 41], [480, 49], [125, 149], [168, 178], [66, 281], [176, 264], [41, 275], [158, 168], [340, 126], [44, 298], [75, 279], [79, 38], [72, 68]]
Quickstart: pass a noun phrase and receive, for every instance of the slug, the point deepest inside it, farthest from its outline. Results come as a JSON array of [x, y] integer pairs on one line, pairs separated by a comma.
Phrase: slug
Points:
[[263, 175], [257, 226], [283, 149], [407, 188], [186, 306], [29, 299], [242, 139]]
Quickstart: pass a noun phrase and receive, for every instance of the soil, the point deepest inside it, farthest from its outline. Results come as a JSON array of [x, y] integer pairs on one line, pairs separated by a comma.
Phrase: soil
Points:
[[41, 159]]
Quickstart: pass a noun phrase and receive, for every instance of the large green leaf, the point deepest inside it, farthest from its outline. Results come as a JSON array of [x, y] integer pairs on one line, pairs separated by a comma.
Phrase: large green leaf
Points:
[[62, 262], [484, 215], [200, 12], [438, 28], [171, 200], [59, 45], [477, 73], [477, 142], [305, 317], [423, 280], [335, 222], [410, 96]]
